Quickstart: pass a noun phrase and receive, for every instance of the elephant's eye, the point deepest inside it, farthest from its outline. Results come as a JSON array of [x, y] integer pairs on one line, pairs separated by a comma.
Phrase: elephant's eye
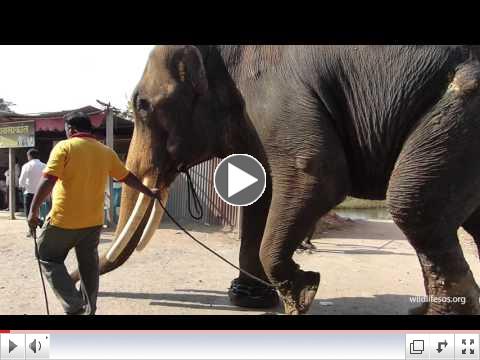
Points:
[[142, 105]]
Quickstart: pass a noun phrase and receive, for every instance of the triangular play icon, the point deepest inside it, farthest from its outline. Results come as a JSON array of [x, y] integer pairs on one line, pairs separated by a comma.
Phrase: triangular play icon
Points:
[[238, 180], [11, 346]]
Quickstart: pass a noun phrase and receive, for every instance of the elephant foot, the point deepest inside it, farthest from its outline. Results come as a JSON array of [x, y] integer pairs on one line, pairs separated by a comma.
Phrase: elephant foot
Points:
[[252, 296], [298, 294], [461, 298]]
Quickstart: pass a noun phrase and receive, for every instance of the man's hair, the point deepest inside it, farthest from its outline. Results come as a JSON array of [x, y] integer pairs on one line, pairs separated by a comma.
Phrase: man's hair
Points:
[[33, 153], [79, 121]]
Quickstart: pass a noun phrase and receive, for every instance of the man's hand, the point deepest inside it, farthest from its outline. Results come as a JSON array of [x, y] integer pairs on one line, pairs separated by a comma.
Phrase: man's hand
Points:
[[33, 220], [43, 191], [157, 194]]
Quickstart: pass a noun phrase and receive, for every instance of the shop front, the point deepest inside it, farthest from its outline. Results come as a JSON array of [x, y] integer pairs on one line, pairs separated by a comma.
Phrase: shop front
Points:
[[19, 133]]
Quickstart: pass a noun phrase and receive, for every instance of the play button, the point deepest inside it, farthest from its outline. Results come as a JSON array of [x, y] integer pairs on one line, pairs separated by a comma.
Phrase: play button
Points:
[[11, 346], [240, 180]]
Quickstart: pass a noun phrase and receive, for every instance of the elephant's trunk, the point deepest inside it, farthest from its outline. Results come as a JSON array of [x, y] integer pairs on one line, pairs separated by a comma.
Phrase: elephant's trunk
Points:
[[139, 217]]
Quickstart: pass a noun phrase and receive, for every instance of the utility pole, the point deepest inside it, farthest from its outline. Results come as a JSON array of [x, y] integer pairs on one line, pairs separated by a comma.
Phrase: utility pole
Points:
[[109, 141], [11, 186]]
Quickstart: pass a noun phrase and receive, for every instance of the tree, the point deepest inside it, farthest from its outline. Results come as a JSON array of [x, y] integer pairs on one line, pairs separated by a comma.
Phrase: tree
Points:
[[5, 105], [125, 114], [128, 113]]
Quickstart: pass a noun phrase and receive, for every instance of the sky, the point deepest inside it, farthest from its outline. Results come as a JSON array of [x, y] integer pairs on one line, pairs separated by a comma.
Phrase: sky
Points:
[[47, 78]]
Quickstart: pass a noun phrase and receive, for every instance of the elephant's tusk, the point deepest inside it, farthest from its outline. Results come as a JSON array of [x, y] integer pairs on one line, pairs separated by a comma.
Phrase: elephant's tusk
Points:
[[153, 222], [132, 224]]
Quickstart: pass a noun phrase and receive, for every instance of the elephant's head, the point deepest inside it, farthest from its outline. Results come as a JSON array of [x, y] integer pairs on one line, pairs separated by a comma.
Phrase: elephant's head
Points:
[[174, 129]]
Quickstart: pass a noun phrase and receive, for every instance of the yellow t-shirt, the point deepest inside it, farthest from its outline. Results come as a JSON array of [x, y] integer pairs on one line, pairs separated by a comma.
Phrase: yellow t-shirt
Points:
[[82, 166]]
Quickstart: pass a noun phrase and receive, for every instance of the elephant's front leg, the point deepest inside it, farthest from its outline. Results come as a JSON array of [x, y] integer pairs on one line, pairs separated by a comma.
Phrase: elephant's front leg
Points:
[[303, 190], [244, 291]]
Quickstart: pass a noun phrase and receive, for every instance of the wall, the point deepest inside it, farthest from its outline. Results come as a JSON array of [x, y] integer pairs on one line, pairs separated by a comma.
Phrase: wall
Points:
[[216, 212]]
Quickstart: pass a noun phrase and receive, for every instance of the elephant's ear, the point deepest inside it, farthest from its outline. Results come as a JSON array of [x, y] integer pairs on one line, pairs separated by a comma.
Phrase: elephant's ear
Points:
[[190, 68]]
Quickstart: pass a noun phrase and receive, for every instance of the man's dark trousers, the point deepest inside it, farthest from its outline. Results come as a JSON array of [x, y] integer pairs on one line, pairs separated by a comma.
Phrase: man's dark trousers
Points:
[[27, 200], [54, 244]]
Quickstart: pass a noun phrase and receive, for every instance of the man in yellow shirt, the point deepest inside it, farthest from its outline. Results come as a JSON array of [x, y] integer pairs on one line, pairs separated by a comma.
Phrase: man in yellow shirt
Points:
[[77, 172]]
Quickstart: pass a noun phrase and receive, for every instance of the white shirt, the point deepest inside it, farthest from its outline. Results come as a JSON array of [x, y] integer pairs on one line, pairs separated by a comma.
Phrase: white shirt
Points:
[[31, 175]]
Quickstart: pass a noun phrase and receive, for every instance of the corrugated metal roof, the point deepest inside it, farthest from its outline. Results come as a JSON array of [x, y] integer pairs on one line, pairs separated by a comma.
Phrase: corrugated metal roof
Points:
[[86, 109]]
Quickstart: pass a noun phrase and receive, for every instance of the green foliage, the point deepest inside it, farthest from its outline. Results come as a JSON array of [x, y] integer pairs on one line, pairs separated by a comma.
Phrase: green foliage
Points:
[[6, 105], [128, 113]]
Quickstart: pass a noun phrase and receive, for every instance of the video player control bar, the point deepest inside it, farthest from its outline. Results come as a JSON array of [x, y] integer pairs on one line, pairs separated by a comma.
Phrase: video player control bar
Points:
[[73, 345], [442, 346]]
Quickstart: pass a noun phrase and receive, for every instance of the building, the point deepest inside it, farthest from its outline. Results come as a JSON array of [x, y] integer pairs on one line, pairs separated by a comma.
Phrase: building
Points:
[[49, 129]]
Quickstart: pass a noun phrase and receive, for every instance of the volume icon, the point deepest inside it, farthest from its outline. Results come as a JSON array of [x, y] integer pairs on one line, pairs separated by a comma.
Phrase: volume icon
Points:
[[35, 346]]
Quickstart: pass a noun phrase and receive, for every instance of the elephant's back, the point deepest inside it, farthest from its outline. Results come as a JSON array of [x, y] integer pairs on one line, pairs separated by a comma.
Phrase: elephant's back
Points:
[[379, 93]]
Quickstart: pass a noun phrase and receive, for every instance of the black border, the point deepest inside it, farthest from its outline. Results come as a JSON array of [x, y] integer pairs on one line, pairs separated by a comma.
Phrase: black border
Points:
[[241, 322], [243, 23]]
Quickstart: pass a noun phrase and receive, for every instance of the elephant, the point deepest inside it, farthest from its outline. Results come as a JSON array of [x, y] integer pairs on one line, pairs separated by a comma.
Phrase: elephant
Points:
[[394, 123]]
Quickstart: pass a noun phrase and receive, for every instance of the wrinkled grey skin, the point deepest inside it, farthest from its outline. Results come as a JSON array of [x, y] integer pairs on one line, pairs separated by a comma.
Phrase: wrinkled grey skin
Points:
[[374, 122]]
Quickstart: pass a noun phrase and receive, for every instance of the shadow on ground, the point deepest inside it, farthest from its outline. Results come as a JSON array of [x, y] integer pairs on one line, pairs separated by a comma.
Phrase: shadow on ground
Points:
[[108, 235], [185, 298], [352, 249], [197, 227], [384, 304]]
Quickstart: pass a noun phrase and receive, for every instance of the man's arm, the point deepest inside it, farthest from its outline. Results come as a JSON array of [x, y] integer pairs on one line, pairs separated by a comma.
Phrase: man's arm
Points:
[[44, 190], [121, 173], [23, 174], [132, 181]]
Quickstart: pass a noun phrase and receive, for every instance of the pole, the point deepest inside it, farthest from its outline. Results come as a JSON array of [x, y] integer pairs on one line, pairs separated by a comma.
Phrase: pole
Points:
[[11, 186], [110, 143]]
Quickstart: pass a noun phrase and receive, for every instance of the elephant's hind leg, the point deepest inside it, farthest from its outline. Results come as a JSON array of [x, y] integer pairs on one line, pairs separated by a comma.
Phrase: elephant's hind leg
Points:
[[434, 189]]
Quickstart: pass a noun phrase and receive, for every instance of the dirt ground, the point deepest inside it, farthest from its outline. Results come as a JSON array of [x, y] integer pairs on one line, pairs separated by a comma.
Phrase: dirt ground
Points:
[[367, 267]]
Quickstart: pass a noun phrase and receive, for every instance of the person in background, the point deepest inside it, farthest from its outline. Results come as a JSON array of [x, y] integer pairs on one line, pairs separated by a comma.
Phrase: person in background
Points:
[[30, 177], [3, 194], [77, 172], [17, 190]]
